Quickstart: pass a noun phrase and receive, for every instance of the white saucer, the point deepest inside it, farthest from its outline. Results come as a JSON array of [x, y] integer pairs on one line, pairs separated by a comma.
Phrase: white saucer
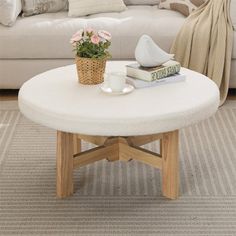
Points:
[[127, 89]]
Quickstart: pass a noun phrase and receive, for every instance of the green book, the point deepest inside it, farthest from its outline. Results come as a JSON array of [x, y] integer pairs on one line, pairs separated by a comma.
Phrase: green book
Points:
[[153, 73]]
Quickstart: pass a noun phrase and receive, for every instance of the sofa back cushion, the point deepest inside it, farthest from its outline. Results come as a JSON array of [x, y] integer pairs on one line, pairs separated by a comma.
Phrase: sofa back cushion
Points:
[[35, 7], [89, 7], [9, 10], [142, 2], [184, 6]]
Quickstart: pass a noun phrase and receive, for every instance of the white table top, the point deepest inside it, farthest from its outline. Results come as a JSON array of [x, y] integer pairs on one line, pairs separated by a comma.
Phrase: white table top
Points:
[[55, 99]]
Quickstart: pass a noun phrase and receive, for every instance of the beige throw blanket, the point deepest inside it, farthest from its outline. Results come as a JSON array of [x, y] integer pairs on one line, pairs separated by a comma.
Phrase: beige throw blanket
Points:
[[205, 42]]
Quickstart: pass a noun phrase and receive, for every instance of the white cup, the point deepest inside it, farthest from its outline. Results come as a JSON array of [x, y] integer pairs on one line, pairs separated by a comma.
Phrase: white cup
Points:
[[115, 81]]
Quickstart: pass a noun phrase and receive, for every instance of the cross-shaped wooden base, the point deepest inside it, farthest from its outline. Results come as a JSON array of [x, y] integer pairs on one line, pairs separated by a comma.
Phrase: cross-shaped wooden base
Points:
[[69, 157]]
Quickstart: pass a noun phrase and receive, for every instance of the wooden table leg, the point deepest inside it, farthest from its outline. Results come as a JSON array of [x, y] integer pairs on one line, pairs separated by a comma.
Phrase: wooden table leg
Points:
[[170, 164], [64, 164], [76, 144], [69, 144]]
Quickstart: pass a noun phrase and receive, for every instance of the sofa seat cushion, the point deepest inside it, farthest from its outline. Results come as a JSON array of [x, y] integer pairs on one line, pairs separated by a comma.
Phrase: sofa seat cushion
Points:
[[48, 35]]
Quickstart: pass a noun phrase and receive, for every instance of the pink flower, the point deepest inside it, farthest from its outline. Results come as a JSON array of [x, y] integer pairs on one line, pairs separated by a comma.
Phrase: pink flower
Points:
[[95, 39], [104, 34], [76, 37], [78, 33]]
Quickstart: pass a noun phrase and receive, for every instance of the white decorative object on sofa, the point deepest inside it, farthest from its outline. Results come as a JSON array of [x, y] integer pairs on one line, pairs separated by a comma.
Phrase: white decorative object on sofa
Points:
[[149, 54], [9, 11], [88, 7]]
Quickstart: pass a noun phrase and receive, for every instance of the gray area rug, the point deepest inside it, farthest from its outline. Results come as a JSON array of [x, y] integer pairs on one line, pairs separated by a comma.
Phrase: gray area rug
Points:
[[118, 198]]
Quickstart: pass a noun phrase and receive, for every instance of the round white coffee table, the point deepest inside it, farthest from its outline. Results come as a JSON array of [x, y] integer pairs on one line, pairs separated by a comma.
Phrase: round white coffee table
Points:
[[118, 124]]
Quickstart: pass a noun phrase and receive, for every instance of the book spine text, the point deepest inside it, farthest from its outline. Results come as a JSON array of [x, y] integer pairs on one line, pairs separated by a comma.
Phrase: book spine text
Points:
[[164, 72]]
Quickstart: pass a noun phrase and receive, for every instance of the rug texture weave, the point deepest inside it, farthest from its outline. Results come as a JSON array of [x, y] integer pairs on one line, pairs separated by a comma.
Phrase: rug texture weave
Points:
[[118, 198]]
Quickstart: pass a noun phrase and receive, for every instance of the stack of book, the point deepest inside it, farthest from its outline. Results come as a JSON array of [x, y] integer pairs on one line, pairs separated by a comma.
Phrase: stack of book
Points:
[[141, 77]]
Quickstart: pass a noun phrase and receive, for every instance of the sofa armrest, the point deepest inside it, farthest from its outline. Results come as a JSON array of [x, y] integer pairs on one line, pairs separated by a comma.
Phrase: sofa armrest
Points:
[[233, 13]]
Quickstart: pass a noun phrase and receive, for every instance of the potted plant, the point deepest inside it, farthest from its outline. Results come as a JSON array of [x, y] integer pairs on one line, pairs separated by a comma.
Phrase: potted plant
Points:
[[91, 49]]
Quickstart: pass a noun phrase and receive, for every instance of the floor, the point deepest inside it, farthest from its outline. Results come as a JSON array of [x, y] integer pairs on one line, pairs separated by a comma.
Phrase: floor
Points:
[[11, 95]]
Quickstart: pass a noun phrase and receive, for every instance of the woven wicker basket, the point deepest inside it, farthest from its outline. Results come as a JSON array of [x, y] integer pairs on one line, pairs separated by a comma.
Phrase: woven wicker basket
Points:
[[90, 71]]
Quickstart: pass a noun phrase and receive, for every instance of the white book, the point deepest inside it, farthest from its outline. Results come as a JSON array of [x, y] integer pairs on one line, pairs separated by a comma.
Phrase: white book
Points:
[[137, 83]]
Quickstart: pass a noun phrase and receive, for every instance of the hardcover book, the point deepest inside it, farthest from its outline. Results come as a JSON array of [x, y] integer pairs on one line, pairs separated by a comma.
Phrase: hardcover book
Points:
[[137, 83], [154, 73]]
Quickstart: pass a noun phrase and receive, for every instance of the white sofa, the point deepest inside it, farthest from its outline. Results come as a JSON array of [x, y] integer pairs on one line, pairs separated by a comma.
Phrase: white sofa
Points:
[[39, 43]]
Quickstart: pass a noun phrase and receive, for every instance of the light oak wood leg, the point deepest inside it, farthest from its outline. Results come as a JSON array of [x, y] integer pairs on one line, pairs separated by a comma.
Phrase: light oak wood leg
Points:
[[65, 151], [76, 144], [170, 165], [69, 157]]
